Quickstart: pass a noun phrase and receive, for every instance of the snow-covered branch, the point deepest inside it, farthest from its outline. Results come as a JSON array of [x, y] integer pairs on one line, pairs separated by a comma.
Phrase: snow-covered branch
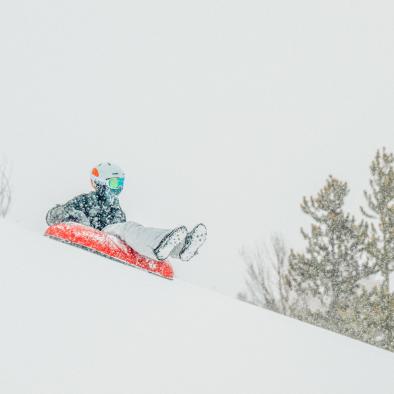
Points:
[[5, 190]]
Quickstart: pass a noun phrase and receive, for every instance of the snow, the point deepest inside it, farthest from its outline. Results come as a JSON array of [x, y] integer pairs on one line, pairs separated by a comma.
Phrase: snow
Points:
[[74, 322], [220, 112]]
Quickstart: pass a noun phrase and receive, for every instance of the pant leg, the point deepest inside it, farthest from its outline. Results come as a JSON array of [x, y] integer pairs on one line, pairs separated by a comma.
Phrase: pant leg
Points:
[[142, 239]]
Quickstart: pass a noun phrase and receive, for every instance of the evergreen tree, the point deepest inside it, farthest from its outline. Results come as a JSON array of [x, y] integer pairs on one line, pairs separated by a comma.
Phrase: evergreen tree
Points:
[[380, 202], [329, 284], [362, 317], [335, 259]]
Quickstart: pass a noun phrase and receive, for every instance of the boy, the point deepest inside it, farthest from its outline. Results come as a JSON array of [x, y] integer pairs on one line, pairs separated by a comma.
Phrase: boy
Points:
[[101, 210]]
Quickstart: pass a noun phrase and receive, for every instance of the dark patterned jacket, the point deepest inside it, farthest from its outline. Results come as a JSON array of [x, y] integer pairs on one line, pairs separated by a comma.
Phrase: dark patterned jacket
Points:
[[97, 209]]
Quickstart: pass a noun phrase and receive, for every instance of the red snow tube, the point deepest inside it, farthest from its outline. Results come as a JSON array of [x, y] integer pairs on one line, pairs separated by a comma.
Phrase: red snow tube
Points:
[[107, 245]]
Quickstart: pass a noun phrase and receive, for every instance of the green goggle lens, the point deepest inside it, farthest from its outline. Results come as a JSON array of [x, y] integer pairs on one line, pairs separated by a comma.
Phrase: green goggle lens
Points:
[[115, 183]]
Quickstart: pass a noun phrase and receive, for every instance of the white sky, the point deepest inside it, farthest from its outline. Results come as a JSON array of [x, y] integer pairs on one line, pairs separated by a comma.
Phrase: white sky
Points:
[[225, 112]]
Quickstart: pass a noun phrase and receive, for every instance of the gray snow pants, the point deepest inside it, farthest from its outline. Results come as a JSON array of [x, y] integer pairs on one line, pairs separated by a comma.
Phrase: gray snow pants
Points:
[[142, 239]]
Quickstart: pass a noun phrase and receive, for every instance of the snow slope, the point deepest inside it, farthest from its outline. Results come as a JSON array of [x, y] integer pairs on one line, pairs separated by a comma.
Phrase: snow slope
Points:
[[73, 322]]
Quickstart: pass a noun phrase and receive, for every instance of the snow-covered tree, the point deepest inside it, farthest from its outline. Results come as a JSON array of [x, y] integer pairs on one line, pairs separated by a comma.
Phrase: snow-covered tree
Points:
[[267, 282], [335, 259], [380, 202], [5, 191], [362, 317], [341, 281]]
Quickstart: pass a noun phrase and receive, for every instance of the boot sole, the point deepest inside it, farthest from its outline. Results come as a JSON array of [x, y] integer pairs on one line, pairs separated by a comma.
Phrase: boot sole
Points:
[[193, 242], [169, 242]]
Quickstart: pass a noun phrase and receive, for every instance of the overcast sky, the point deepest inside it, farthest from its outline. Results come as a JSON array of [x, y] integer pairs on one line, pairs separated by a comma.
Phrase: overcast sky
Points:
[[225, 112]]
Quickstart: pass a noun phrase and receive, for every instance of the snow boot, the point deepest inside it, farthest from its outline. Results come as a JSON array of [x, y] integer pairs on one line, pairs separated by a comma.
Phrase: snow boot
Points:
[[193, 241], [169, 242]]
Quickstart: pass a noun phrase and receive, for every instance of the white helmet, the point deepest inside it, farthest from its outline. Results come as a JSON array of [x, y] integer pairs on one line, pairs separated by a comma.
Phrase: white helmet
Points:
[[109, 175]]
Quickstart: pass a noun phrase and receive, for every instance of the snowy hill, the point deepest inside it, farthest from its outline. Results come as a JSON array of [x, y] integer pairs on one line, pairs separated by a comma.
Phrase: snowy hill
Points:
[[73, 322]]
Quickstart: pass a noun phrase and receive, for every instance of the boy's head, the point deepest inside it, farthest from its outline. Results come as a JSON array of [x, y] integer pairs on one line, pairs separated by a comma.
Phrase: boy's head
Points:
[[108, 176]]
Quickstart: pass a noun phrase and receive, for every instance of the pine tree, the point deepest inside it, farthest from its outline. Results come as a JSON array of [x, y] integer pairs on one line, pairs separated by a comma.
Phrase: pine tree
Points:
[[361, 317], [380, 202], [329, 284], [335, 259]]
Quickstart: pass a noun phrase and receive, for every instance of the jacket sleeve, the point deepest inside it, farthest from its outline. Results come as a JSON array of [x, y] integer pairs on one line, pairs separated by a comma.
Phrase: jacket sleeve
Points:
[[69, 212]]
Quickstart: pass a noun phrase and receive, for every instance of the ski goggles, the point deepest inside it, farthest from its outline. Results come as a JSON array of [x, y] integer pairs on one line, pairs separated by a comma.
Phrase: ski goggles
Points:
[[115, 183]]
